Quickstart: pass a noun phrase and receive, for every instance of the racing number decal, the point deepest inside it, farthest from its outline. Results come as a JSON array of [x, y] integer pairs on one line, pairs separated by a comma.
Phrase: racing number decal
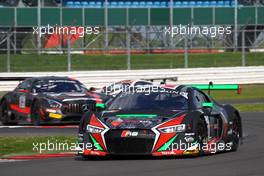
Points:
[[22, 101]]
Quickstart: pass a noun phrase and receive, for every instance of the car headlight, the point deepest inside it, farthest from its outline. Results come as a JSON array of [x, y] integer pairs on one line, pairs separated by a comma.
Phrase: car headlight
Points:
[[94, 129], [173, 129], [54, 104]]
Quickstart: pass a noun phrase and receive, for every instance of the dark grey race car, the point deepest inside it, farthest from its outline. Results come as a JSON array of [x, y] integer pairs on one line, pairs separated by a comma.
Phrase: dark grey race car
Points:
[[48, 99]]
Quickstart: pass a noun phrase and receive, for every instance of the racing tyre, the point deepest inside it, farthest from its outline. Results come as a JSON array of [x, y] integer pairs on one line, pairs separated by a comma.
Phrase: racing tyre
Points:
[[201, 133], [35, 114], [236, 133]]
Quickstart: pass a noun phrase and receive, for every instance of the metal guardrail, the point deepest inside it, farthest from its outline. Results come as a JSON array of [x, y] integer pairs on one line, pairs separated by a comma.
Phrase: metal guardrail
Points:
[[98, 79]]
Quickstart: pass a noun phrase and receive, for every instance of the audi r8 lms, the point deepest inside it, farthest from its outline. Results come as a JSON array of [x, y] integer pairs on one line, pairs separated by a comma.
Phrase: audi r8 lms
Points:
[[47, 99], [181, 121]]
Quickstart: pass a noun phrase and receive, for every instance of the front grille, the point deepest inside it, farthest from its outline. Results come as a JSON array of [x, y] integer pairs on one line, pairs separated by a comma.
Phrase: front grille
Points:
[[129, 145], [77, 107], [74, 108]]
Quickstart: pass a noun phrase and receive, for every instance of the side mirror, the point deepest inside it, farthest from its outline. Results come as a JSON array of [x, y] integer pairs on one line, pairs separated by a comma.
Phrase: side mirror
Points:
[[208, 105], [100, 107]]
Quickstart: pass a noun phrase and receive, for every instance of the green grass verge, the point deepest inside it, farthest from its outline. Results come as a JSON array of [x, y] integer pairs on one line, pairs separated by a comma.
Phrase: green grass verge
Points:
[[250, 107], [33, 62], [23, 145]]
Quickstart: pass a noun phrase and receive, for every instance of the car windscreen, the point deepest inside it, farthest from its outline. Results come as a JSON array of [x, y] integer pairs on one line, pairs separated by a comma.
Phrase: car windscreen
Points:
[[57, 86], [154, 101]]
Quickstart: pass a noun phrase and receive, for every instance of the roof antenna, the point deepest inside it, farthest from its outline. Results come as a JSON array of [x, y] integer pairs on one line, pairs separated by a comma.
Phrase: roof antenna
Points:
[[209, 87]]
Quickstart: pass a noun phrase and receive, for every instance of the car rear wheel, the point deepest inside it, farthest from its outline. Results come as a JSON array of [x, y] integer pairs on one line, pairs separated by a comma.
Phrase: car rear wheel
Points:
[[35, 114], [201, 133]]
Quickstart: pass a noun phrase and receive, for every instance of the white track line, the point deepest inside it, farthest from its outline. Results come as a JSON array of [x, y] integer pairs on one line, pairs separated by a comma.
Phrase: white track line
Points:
[[9, 160], [39, 127]]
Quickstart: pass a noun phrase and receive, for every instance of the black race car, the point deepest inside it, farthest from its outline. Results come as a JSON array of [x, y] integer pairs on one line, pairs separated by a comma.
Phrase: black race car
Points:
[[160, 121], [48, 99]]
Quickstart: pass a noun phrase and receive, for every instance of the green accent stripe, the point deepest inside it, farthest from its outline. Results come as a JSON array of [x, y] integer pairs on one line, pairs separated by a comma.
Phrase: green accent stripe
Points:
[[96, 144], [208, 104], [216, 86], [167, 144], [137, 115], [100, 105]]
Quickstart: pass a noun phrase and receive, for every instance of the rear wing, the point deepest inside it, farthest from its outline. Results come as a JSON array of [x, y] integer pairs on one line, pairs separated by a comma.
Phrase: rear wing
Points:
[[162, 80], [212, 86], [13, 78]]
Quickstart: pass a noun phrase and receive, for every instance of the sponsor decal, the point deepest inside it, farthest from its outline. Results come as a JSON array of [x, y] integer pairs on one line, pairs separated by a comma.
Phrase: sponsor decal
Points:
[[189, 139], [51, 110], [128, 133], [55, 116], [22, 102]]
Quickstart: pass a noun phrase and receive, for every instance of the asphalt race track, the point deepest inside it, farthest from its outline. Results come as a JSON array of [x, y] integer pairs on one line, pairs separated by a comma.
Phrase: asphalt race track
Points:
[[247, 161]]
